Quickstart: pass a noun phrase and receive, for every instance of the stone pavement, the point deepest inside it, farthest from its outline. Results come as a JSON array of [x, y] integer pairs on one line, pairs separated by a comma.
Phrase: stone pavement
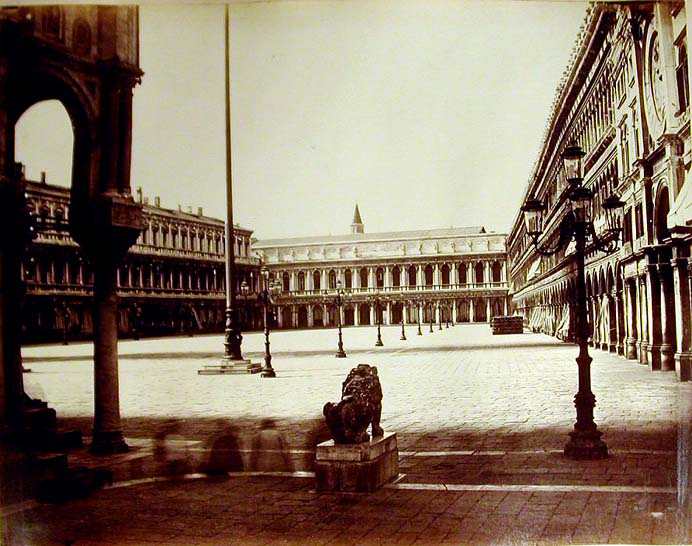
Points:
[[481, 422]]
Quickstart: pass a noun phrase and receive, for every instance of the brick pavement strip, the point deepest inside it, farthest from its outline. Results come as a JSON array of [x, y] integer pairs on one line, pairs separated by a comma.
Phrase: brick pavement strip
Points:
[[470, 410]]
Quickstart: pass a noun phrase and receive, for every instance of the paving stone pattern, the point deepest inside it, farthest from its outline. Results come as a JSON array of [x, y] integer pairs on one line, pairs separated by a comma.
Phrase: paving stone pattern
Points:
[[481, 422]]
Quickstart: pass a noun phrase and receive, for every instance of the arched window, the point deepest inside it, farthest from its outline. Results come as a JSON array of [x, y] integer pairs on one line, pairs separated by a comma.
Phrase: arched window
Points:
[[332, 279], [681, 71], [364, 277], [379, 277], [396, 276], [445, 274], [286, 279], [316, 277], [462, 274], [497, 272], [348, 281], [428, 275], [301, 281], [412, 276], [479, 273], [81, 37]]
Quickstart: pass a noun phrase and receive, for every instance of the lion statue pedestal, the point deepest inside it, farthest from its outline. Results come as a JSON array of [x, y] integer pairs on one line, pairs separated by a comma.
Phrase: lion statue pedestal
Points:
[[352, 461]]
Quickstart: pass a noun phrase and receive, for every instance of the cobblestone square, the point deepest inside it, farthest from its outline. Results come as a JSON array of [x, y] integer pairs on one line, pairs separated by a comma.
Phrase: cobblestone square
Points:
[[481, 422]]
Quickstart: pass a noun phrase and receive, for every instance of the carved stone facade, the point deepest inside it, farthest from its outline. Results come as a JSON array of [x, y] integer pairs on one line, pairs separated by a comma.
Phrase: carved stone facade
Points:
[[437, 275], [625, 100]]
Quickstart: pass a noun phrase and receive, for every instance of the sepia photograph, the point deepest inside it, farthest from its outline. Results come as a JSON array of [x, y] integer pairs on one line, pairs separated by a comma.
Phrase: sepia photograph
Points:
[[345, 272]]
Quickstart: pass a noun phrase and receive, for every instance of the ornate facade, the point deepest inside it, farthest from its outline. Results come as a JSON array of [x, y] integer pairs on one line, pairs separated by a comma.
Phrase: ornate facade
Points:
[[625, 100], [172, 281], [439, 275]]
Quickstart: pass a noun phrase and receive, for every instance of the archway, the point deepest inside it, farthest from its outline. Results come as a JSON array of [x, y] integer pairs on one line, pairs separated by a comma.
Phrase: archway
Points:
[[103, 219]]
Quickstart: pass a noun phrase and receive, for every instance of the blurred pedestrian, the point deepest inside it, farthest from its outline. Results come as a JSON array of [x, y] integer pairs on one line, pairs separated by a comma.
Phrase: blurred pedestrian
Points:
[[225, 455], [269, 450]]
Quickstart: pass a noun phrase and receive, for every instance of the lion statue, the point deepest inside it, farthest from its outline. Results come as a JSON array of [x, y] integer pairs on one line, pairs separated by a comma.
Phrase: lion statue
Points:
[[360, 405]]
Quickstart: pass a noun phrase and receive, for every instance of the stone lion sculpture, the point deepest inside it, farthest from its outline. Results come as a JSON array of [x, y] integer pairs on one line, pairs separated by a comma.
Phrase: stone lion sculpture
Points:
[[360, 405]]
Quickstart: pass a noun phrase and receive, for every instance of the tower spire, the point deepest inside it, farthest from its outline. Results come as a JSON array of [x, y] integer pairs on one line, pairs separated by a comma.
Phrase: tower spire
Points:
[[357, 225]]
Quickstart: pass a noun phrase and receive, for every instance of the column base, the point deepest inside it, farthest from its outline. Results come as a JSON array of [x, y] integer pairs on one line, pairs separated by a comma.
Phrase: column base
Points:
[[667, 357], [586, 445], [108, 443], [653, 356], [683, 366], [631, 350]]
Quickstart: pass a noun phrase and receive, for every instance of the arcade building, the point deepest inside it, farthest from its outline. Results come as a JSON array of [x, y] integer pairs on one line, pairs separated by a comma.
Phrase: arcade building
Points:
[[411, 277], [625, 101]]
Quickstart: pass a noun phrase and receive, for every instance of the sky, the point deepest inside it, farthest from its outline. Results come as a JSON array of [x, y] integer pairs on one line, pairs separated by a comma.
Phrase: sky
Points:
[[426, 113]]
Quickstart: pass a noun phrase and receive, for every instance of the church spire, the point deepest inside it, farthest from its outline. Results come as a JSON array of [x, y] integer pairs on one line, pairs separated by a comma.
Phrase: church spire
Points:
[[357, 224]]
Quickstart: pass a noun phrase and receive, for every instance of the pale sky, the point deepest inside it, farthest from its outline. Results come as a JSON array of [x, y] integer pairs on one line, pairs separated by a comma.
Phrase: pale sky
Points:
[[427, 113]]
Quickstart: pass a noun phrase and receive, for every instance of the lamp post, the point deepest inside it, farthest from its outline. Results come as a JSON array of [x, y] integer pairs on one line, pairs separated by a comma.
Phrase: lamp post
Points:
[[432, 316], [270, 290], [419, 310], [439, 314], [585, 440], [403, 321], [338, 302], [376, 300]]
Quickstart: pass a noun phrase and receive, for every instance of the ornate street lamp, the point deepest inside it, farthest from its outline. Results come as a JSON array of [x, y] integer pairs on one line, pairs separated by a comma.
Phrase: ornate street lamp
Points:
[[378, 317], [270, 291], [585, 440], [403, 327], [338, 298], [420, 307]]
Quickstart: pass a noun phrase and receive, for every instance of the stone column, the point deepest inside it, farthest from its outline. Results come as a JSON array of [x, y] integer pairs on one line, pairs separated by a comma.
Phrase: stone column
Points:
[[472, 305], [454, 311], [683, 316], [631, 312], [14, 222], [454, 279], [487, 309], [106, 227], [356, 314], [310, 318], [667, 314], [388, 315], [653, 316], [436, 276], [642, 328], [419, 275]]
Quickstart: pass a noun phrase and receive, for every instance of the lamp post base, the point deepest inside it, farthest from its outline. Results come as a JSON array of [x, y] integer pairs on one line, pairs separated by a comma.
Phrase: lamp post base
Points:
[[586, 445], [379, 343], [268, 372], [340, 354]]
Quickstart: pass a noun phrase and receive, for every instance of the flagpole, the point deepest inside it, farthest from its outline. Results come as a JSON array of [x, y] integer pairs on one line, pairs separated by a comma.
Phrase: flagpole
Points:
[[232, 336]]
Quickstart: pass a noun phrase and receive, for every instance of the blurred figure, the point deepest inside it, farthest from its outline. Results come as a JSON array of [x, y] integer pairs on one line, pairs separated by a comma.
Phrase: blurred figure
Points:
[[319, 432], [225, 455], [269, 450], [170, 450]]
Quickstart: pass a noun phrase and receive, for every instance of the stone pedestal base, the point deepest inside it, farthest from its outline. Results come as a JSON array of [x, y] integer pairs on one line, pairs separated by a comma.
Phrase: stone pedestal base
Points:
[[356, 468], [231, 367]]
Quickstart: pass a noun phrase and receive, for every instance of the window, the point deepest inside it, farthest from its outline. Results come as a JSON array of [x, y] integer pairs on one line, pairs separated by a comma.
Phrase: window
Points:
[[301, 281], [332, 279], [316, 278], [348, 281], [627, 226], [286, 282], [638, 221], [479, 273], [681, 77], [396, 276]]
